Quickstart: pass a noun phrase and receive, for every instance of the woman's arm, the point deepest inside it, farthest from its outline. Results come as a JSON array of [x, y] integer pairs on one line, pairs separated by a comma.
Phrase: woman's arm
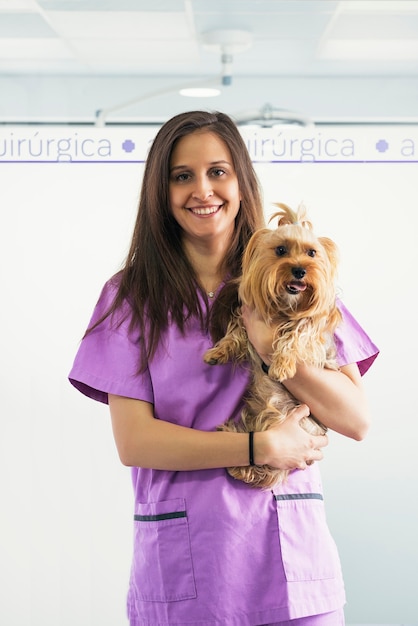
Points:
[[144, 441], [336, 398]]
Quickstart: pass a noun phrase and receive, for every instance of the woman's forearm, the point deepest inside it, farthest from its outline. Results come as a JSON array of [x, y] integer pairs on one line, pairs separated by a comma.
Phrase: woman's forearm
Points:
[[143, 441], [336, 398]]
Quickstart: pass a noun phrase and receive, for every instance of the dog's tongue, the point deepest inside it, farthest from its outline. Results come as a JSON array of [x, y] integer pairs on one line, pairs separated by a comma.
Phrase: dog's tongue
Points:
[[296, 286]]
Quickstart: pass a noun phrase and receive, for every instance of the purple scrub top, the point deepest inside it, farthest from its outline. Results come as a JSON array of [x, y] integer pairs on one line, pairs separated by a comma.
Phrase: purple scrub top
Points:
[[208, 549]]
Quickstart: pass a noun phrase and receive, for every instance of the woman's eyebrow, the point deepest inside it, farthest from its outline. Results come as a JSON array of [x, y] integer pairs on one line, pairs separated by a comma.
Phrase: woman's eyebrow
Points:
[[184, 167]]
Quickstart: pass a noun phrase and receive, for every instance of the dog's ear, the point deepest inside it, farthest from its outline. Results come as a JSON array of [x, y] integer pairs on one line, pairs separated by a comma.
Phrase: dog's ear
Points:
[[331, 250], [252, 245]]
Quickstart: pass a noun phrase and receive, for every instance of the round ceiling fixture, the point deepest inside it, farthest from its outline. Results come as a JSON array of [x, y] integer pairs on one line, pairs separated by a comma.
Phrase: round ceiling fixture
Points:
[[200, 92], [227, 42]]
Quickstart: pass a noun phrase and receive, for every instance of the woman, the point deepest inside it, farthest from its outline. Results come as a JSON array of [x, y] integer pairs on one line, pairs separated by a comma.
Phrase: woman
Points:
[[208, 549]]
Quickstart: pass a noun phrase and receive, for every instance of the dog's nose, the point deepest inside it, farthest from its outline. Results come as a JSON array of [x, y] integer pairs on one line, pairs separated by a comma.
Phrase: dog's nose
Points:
[[298, 272]]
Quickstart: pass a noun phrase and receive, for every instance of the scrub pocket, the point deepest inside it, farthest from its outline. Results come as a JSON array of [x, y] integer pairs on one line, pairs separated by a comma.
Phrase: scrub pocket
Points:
[[308, 549], [162, 569]]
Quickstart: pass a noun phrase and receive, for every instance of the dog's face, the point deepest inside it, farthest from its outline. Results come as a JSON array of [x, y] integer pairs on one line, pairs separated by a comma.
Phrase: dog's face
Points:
[[290, 271]]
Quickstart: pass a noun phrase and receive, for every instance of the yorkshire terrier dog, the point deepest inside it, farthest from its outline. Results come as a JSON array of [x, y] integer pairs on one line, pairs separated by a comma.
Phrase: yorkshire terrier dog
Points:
[[288, 278]]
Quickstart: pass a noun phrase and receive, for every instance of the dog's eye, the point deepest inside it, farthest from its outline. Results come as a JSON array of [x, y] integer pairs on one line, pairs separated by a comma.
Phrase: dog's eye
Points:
[[281, 250], [311, 252]]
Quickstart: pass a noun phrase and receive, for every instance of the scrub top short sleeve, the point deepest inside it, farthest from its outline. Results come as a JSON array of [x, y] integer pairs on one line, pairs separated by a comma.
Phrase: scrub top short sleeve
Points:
[[107, 360]]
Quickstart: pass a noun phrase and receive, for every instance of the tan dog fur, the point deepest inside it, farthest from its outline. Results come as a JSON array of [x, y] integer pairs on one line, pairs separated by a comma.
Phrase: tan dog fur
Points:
[[288, 277]]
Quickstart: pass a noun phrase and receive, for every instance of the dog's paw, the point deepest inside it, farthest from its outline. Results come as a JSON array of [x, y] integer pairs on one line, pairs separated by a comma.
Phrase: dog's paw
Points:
[[211, 361], [209, 357], [214, 356], [281, 373]]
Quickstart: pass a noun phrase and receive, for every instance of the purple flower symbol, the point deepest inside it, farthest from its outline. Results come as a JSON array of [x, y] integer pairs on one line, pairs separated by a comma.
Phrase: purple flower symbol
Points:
[[128, 145], [382, 145]]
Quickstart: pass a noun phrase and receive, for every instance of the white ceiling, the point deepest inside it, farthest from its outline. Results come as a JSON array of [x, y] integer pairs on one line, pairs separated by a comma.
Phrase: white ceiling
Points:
[[164, 37], [160, 45]]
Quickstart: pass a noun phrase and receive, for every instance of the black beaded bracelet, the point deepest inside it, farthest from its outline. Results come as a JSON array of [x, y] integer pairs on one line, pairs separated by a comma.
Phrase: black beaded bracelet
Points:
[[251, 447], [265, 367]]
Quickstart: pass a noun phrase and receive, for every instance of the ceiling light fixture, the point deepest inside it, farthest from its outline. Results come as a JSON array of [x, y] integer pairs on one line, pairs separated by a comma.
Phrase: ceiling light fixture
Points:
[[268, 117], [200, 92], [227, 42]]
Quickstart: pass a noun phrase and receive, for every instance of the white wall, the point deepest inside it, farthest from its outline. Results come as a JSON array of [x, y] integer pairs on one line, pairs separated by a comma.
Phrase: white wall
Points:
[[65, 540]]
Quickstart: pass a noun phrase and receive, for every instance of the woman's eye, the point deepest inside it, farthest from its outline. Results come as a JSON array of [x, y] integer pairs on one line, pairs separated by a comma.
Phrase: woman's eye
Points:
[[281, 250], [181, 178], [218, 172], [311, 252]]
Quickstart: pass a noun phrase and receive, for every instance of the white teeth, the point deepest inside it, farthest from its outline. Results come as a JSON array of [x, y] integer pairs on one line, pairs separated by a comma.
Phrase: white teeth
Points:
[[205, 211]]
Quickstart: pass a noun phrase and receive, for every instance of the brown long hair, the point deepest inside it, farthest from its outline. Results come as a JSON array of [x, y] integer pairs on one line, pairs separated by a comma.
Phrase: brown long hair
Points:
[[157, 278]]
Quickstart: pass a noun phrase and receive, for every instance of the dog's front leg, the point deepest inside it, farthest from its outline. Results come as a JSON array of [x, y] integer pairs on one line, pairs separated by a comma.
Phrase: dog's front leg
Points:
[[284, 360], [232, 347]]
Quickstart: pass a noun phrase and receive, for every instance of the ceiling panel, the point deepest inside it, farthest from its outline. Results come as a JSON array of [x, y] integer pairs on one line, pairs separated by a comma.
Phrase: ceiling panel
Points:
[[135, 53], [18, 5], [111, 5], [120, 25], [377, 26], [32, 49], [24, 25], [266, 7]]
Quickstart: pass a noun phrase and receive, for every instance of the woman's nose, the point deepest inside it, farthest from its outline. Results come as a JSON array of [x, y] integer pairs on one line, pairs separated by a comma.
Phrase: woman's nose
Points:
[[202, 189]]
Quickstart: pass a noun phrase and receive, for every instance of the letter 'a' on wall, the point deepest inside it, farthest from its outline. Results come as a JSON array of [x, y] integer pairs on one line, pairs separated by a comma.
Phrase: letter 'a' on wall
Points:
[[68, 201]]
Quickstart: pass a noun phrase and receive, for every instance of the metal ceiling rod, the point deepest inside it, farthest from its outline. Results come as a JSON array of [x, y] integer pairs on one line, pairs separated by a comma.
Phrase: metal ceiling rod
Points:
[[227, 42], [102, 114]]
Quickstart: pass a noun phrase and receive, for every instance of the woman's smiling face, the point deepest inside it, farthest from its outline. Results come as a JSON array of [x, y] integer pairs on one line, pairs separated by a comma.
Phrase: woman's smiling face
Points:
[[204, 192]]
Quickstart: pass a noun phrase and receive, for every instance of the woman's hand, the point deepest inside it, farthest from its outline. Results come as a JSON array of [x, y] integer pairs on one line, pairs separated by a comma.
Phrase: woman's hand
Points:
[[288, 446], [259, 334]]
